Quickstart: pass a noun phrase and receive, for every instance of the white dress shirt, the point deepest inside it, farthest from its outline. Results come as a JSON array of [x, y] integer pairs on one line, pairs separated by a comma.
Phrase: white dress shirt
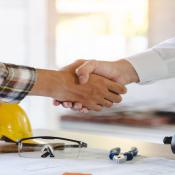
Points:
[[156, 63]]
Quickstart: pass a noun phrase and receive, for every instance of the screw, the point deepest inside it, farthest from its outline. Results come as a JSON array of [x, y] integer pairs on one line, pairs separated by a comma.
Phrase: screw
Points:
[[167, 140]]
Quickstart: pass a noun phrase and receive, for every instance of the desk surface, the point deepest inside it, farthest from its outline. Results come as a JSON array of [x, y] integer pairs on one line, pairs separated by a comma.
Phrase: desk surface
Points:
[[107, 142], [152, 164], [149, 134]]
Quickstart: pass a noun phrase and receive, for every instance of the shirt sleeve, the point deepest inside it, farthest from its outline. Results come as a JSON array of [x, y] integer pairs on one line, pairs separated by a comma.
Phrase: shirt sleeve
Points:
[[15, 82], [156, 63]]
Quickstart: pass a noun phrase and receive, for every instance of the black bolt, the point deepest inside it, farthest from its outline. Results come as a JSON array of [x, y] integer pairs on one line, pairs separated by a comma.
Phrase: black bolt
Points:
[[167, 140]]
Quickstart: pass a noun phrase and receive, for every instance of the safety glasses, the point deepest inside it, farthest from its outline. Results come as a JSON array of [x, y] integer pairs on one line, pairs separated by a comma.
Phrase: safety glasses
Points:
[[50, 147]]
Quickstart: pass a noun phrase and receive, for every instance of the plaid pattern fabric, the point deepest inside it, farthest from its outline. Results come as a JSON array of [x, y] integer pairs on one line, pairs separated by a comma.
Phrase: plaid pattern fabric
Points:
[[15, 82]]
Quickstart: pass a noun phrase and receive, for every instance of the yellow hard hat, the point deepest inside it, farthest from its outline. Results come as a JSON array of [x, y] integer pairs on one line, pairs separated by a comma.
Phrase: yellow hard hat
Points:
[[14, 123]]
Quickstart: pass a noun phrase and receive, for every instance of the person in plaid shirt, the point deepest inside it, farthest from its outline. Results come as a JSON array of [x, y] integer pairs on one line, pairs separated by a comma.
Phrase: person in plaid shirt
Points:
[[18, 81], [15, 82]]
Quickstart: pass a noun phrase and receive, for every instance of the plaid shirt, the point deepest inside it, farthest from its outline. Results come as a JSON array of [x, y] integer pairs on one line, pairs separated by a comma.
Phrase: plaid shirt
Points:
[[15, 82]]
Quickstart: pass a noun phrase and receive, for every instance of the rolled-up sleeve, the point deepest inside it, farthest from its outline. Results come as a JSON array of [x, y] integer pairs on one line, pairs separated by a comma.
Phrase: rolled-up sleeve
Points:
[[15, 82], [156, 63]]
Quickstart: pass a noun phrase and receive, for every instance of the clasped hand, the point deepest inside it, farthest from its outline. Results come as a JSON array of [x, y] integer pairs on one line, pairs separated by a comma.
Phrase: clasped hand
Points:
[[92, 93]]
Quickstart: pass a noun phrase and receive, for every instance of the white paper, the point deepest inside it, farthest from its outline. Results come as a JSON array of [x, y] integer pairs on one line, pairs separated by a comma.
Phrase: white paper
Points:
[[12, 164]]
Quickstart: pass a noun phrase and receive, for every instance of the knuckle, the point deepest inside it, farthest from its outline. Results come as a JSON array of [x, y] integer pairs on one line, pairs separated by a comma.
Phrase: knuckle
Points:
[[80, 71], [105, 103], [80, 61], [116, 88], [109, 104], [122, 89], [118, 99]]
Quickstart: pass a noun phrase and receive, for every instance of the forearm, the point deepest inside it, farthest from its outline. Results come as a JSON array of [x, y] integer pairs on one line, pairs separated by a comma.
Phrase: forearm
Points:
[[45, 81], [61, 85], [155, 63], [18, 81], [49, 82]]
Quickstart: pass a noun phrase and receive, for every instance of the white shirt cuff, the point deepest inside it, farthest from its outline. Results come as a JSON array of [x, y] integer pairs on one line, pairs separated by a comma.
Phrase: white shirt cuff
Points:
[[149, 66]]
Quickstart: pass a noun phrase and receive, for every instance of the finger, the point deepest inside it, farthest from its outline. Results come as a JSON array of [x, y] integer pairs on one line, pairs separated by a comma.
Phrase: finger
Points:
[[67, 104], [113, 97], [106, 103], [73, 109], [84, 110], [95, 107], [117, 88], [56, 102], [84, 70], [98, 108], [77, 106], [74, 65]]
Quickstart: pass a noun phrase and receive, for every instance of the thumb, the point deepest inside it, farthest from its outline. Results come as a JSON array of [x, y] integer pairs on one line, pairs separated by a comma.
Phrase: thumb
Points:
[[85, 70]]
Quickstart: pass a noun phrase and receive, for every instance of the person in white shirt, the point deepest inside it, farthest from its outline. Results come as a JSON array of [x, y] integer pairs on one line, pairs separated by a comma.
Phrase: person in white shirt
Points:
[[149, 66]]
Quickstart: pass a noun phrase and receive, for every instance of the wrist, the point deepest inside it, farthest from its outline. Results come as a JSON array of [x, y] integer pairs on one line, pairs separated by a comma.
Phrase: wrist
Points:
[[127, 72], [45, 82]]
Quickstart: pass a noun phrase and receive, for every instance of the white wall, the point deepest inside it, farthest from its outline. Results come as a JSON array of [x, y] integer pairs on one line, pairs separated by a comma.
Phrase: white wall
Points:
[[27, 38], [161, 27], [40, 52], [161, 18]]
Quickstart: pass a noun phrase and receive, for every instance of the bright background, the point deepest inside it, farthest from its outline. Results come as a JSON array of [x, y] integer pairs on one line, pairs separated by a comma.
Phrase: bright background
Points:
[[105, 29]]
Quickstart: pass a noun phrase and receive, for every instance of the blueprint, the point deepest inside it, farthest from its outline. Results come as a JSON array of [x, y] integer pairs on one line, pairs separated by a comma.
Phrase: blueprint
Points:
[[13, 164]]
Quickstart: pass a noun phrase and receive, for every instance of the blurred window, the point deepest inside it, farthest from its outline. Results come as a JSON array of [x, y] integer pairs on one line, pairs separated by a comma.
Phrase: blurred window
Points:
[[100, 29], [13, 33]]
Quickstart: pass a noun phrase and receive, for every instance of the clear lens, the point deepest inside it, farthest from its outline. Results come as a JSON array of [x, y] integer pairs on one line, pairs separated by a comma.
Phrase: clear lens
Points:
[[49, 148]]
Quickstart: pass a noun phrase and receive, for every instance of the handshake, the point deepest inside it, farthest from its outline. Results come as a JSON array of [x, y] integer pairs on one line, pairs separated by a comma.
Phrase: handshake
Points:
[[86, 85]]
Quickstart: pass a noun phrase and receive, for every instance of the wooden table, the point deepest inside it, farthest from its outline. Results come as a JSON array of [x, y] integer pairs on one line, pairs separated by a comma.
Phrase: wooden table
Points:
[[108, 142]]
